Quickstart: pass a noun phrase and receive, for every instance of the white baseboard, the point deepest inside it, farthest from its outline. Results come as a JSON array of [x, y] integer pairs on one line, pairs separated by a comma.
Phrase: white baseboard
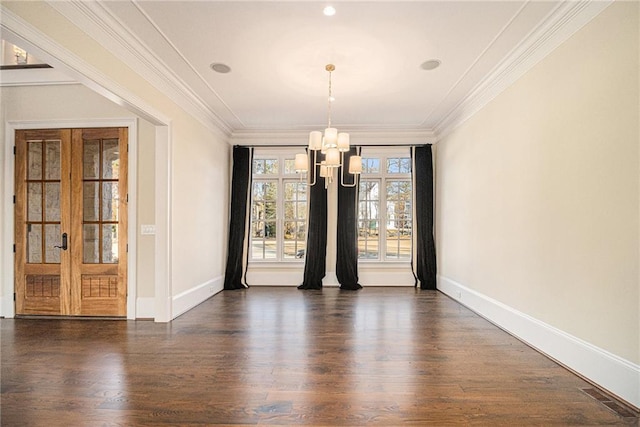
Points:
[[145, 308], [613, 373], [3, 309], [186, 300]]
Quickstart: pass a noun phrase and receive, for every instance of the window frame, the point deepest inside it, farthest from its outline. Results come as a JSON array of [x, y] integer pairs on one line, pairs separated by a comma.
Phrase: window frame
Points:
[[281, 178], [382, 177]]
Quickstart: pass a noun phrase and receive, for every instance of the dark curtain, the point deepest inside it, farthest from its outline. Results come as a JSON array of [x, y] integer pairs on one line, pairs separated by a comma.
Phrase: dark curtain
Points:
[[315, 262], [347, 238], [238, 249], [424, 251]]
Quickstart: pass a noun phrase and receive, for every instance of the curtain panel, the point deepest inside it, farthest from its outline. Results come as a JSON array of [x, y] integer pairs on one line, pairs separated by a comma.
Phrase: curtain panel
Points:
[[347, 234], [424, 251], [238, 247], [315, 262]]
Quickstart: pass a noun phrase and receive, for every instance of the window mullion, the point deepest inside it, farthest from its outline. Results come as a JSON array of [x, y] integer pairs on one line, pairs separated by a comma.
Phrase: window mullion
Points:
[[279, 218], [382, 235]]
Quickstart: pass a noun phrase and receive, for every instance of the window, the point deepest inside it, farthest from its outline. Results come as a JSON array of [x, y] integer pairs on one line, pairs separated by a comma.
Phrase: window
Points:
[[385, 211], [278, 209]]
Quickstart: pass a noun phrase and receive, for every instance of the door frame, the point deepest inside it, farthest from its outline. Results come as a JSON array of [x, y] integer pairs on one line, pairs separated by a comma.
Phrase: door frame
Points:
[[8, 304]]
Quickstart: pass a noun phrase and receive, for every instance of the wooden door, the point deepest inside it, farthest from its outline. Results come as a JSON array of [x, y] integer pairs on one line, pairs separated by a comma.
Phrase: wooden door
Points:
[[43, 160], [71, 222]]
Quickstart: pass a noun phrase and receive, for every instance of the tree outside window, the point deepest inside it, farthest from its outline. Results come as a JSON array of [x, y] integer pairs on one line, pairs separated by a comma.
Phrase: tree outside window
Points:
[[385, 210], [278, 210]]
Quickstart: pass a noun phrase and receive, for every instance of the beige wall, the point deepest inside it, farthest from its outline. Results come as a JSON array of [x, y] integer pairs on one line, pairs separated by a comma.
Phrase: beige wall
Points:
[[538, 193], [146, 208], [75, 102], [200, 208], [199, 171]]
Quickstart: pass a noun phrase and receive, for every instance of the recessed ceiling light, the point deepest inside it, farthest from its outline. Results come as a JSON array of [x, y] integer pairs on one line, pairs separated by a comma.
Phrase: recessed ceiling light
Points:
[[329, 11], [220, 68], [431, 64]]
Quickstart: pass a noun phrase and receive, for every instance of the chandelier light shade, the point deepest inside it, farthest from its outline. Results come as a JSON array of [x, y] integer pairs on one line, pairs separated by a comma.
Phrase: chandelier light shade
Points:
[[332, 157], [333, 145], [343, 142], [330, 137], [355, 165], [301, 163], [315, 140]]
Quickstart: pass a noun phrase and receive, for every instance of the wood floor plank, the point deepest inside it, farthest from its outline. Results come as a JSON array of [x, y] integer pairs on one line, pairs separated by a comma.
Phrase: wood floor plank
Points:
[[279, 356]]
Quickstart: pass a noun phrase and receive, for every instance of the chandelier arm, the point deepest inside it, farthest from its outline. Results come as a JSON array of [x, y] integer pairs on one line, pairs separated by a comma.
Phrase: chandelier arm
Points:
[[328, 180], [343, 165], [313, 163]]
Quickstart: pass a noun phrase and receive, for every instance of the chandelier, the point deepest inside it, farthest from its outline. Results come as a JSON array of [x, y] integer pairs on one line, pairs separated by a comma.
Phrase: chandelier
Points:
[[333, 145]]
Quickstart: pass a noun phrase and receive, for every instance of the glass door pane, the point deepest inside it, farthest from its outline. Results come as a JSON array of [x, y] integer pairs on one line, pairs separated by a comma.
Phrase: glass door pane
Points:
[[101, 199], [43, 201]]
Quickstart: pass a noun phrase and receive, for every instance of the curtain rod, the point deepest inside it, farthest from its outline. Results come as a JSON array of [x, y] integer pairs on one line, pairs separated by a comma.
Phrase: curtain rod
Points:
[[353, 145]]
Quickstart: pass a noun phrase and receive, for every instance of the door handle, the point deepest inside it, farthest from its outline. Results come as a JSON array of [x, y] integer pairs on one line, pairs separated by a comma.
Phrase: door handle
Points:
[[64, 242]]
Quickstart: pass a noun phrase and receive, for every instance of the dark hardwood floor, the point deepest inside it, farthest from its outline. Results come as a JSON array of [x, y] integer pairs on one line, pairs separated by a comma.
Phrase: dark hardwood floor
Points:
[[386, 356]]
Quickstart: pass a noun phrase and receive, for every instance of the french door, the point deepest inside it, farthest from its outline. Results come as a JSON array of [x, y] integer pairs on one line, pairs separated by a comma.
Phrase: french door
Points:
[[71, 222]]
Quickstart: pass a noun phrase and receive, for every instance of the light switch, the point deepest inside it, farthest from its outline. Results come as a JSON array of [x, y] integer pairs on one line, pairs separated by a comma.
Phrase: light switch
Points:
[[147, 229]]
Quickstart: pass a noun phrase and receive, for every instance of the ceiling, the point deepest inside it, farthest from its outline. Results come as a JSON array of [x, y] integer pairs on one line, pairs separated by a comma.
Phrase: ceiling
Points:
[[277, 52]]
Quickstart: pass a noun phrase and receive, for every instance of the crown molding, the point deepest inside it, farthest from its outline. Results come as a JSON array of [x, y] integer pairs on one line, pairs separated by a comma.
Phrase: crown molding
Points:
[[301, 137], [559, 26], [93, 19], [34, 77]]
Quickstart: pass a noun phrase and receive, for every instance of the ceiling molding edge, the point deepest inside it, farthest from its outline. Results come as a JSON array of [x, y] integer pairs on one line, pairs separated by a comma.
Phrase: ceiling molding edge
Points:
[[301, 138], [94, 21], [34, 77], [559, 26], [60, 57]]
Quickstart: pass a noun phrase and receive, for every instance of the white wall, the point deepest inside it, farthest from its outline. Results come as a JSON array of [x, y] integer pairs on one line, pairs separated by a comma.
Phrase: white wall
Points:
[[60, 104], [538, 198]]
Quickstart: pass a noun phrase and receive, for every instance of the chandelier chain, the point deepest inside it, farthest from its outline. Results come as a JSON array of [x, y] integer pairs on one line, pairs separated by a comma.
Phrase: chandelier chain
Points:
[[329, 101]]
